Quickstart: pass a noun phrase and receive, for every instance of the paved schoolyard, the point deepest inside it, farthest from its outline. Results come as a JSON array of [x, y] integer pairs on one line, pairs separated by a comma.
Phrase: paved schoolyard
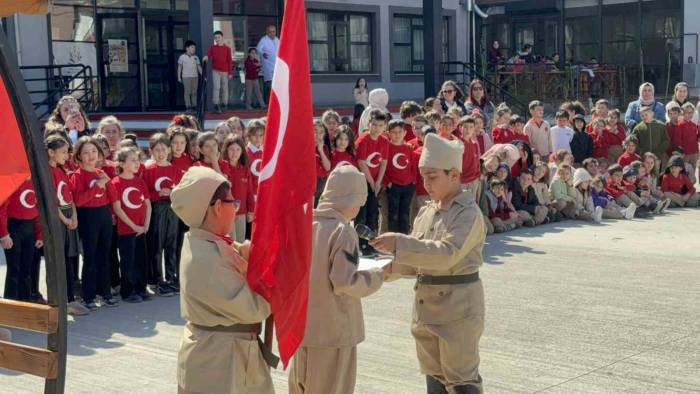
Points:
[[571, 308]]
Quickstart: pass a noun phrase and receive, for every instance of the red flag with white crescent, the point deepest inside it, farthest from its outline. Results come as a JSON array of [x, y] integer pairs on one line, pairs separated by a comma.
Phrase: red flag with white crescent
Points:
[[281, 243], [14, 167]]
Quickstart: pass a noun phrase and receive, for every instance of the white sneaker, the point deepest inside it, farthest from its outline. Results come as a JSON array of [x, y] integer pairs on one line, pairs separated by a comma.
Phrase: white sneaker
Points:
[[666, 203], [77, 309], [598, 214], [629, 212]]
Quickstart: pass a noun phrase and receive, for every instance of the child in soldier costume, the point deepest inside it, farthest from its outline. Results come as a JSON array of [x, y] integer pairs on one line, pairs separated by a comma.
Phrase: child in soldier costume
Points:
[[220, 350], [443, 252], [326, 361]]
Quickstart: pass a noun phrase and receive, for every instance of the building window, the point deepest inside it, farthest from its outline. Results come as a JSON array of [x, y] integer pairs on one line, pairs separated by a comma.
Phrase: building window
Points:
[[339, 42], [407, 51]]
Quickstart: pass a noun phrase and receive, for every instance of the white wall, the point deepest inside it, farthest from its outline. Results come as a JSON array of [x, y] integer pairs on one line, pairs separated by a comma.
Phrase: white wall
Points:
[[33, 49]]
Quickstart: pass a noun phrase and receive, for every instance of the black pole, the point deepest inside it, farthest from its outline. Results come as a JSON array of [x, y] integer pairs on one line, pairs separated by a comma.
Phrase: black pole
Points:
[[52, 231], [432, 45], [201, 26]]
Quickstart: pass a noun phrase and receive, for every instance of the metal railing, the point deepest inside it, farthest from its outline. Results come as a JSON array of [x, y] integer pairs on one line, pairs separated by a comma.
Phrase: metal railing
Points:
[[57, 81], [463, 73]]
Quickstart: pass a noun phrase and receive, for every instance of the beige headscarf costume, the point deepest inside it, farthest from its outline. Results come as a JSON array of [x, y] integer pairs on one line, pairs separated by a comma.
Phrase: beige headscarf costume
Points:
[[441, 154], [190, 198], [346, 187]]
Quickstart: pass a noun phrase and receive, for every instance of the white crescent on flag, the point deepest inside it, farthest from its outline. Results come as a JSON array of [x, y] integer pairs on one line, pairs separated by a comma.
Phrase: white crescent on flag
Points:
[[255, 167], [280, 85]]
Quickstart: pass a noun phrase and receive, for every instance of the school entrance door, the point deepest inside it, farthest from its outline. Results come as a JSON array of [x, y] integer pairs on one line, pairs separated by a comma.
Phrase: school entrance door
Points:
[[164, 42], [118, 62]]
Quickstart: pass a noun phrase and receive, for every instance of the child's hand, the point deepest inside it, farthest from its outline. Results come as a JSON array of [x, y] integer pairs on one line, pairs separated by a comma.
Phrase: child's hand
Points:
[[6, 242], [139, 229], [39, 244], [165, 192], [73, 223], [377, 188], [102, 182], [250, 216]]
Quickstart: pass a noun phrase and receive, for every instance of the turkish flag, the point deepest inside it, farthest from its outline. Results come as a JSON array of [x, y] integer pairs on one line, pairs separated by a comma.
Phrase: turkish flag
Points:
[[281, 243], [14, 167]]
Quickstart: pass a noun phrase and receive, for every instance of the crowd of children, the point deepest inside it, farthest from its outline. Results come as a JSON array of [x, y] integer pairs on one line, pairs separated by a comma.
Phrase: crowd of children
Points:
[[114, 199]]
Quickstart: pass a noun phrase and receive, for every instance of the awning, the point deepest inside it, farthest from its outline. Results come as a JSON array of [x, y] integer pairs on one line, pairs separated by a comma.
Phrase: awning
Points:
[[8, 8]]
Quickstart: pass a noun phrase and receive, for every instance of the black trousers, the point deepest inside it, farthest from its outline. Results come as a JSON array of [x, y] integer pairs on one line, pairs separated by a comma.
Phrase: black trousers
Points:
[[35, 273], [132, 257], [267, 89], [70, 270], [20, 259], [114, 276], [369, 214], [162, 244], [95, 229], [320, 185], [400, 207]]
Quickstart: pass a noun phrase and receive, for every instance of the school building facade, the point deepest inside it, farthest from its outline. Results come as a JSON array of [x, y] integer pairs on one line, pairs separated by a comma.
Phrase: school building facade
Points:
[[129, 48]]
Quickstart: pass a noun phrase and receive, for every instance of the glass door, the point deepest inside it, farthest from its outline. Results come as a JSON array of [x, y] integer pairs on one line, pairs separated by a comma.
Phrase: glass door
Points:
[[117, 38], [164, 43]]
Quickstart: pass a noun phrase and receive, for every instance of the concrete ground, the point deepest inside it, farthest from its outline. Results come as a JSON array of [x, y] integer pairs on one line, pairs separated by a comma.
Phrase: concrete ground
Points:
[[571, 308]]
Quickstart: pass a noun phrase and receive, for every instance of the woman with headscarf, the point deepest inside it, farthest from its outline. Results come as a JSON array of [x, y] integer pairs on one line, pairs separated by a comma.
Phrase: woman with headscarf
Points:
[[378, 99], [478, 99], [451, 96], [646, 99]]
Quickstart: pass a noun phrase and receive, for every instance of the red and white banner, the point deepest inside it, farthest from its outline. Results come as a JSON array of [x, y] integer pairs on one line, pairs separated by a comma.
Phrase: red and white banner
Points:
[[14, 167], [281, 241]]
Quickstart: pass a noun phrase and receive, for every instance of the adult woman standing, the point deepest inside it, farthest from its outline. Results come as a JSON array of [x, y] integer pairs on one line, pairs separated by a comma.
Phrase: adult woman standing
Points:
[[361, 92], [495, 57], [451, 96], [681, 96], [646, 99], [69, 115], [478, 99]]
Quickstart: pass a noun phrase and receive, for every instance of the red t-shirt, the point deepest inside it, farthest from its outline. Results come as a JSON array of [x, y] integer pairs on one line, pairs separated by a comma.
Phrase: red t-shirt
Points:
[[614, 190], [409, 133], [132, 195], [415, 143], [241, 188], [372, 152], [320, 171], [21, 205], [470, 161], [182, 163], [600, 143], [220, 58], [420, 186], [342, 158], [626, 159], [86, 193], [255, 160], [616, 139], [520, 137], [629, 186], [669, 183], [400, 166], [502, 135], [61, 184], [158, 178], [685, 135]]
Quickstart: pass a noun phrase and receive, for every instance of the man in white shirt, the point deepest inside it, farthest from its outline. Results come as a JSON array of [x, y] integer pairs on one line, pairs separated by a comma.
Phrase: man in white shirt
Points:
[[267, 49], [561, 134], [188, 70]]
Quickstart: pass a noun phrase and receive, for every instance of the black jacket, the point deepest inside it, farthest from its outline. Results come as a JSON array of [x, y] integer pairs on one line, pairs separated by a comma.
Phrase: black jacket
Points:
[[581, 146], [520, 201]]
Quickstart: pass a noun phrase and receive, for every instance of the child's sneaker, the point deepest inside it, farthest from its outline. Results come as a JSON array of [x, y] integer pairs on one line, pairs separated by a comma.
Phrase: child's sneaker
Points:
[[665, 204], [529, 223], [657, 207], [598, 214], [92, 305], [77, 309], [145, 296], [164, 290], [133, 299], [511, 227], [110, 302]]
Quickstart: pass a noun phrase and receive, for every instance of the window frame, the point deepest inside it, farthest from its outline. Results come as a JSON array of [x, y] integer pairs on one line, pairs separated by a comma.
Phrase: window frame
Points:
[[331, 39]]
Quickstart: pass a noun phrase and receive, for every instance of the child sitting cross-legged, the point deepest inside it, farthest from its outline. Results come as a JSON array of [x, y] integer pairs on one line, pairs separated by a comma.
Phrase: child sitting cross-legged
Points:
[[644, 189], [616, 188], [563, 192], [525, 200], [629, 182], [586, 210], [501, 212], [540, 181], [603, 199], [676, 185]]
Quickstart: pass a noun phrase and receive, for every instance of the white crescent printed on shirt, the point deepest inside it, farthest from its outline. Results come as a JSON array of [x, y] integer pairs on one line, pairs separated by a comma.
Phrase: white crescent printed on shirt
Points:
[[59, 193], [23, 199], [92, 184], [395, 161], [370, 158], [159, 181], [127, 202], [255, 167]]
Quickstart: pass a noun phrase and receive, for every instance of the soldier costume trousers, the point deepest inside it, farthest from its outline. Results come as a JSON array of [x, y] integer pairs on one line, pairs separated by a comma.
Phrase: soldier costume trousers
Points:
[[323, 370]]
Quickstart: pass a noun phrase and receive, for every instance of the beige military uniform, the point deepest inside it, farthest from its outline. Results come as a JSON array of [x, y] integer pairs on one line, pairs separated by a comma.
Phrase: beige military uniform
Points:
[[447, 319], [326, 361], [214, 293]]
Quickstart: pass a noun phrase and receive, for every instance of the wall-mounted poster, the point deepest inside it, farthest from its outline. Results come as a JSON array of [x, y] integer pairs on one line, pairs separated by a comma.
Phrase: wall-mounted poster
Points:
[[118, 56]]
